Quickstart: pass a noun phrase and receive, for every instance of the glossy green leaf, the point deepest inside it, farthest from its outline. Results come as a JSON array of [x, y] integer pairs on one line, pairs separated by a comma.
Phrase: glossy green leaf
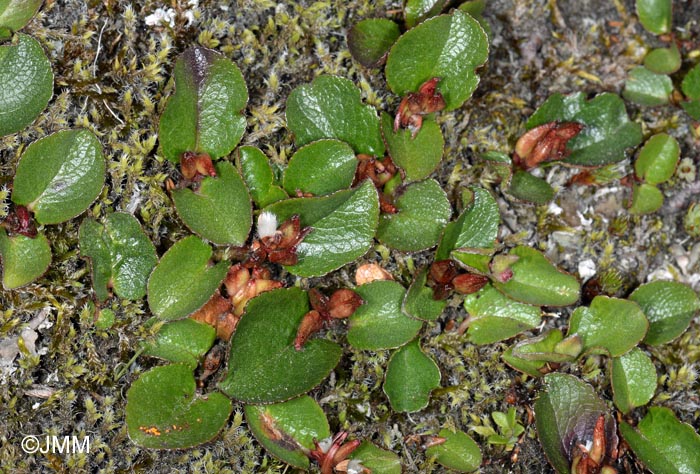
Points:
[[23, 259], [646, 198], [418, 156], [264, 366], [419, 302], [379, 461], [474, 260], [410, 377], [536, 281], [669, 306], [379, 323], [164, 412], [369, 40], [476, 9], [258, 176], [663, 443], [415, 11], [530, 355], [423, 213], [663, 60], [184, 279], [608, 130], [450, 47], [59, 176], [566, 413], [121, 256], [331, 107], [655, 15], [475, 228], [288, 429], [691, 83], [205, 114], [185, 341], [658, 159], [320, 168], [529, 188], [493, 317], [633, 380], [459, 452], [645, 87], [220, 210], [611, 324], [26, 82], [14, 14], [348, 217]]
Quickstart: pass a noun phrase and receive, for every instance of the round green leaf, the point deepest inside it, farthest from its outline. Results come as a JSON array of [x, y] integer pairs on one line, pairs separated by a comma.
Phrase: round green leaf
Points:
[[460, 452], [24, 259], [691, 83], [419, 302], [493, 317], [163, 411], [258, 176], [418, 156], [633, 380], [663, 60], [379, 461], [608, 130], [658, 159], [611, 324], [646, 198], [331, 107], [655, 15], [410, 377], [185, 341], [347, 217], [369, 40], [423, 213], [645, 87], [449, 47], [288, 429], [669, 306], [220, 210], [536, 281], [264, 366], [530, 355], [120, 254], [26, 82], [205, 114], [416, 11], [526, 187], [14, 14], [379, 323], [184, 279], [59, 176], [320, 168]]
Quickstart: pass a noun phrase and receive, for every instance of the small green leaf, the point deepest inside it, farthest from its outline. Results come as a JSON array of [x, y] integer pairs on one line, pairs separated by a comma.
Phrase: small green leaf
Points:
[[348, 217], [164, 412], [692, 108], [379, 322], [419, 302], [26, 82], [369, 40], [258, 176], [24, 259], [288, 429], [645, 87], [691, 83], [59, 176], [220, 210], [185, 341], [474, 260], [494, 317], [663, 60], [669, 306], [529, 188], [264, 366], [608, 130], [646, 198], [379, 461], [105, 319], [611, 324], [205, 114], [530, 355], [14, 14], [418, 156], [331, 107], [664, 444], [423, 213], [449, 47], [536, 281], [658, 159], [184, 279], [410, 377], [460, 452], [633, 380], [416, 11], [566, 413], [320, 168], [121, 256], [655, 15]]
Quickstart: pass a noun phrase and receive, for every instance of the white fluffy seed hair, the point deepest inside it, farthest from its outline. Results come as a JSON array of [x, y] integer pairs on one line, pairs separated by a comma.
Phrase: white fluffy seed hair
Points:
[[267, 224]]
